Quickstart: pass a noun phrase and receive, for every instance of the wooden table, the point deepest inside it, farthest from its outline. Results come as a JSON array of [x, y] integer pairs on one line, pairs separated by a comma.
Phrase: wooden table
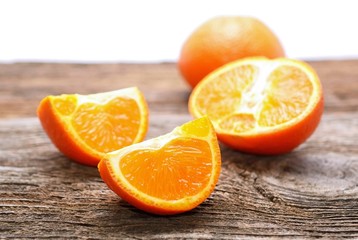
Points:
[[311, 192]]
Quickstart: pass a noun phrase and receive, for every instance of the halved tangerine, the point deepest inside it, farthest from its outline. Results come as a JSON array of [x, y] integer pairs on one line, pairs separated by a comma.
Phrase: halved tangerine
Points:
[[170, 174], [85, 127], [261, 106]]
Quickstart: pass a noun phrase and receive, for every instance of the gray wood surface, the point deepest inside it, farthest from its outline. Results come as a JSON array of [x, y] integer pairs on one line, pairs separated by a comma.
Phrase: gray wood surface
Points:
[[311, 192]]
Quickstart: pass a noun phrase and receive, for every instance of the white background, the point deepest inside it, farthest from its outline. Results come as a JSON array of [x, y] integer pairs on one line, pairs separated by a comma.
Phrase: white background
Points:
[[154, 30]]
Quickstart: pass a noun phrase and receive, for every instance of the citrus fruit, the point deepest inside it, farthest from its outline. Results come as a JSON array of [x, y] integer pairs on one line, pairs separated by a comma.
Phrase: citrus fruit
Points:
[[259, 105], [169, 174], [85, 127], [224, 39]]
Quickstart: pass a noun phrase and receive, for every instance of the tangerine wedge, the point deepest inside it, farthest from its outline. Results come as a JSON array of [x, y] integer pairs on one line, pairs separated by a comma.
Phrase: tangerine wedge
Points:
[[261, 106], [85, 127], [167, 175]]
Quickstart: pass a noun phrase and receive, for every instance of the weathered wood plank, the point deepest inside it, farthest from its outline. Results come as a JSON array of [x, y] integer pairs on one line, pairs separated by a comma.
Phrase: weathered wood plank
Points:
[[311, 192], [163, 88], [23, 85]]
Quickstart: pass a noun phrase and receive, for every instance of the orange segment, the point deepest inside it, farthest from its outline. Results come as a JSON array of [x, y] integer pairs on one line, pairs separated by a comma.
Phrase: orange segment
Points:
[[238, 123], [152, 171], [169, 174], [269, 109], [214, 102], [85, 127], [288, 95], [116, 123], [65, 104]]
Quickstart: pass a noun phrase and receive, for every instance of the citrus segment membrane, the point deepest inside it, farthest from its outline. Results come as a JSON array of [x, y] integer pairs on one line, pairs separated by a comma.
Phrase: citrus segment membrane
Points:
[[287, 96], [215, 102], [254, 95]]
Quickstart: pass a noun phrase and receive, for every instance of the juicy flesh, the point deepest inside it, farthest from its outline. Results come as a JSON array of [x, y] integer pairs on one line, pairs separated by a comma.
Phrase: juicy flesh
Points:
[[179, 169], [106, 127], [251, 97]]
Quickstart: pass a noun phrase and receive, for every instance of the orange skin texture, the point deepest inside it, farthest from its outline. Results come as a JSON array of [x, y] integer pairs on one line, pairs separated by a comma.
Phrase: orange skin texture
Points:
[[277, 142], [61, 137], [224, 39]]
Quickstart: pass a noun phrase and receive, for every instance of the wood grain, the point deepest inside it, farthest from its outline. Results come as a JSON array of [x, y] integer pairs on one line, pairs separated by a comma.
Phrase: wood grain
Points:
[[23, 85], [311, 192]]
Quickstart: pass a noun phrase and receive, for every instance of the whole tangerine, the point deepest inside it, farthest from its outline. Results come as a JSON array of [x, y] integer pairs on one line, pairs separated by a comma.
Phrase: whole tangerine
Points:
[[224, 39]]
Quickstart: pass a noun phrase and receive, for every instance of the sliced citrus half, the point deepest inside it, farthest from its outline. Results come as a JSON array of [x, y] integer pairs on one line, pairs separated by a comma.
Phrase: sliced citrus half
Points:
[[261, 106], [170, 174], [85, 127]]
